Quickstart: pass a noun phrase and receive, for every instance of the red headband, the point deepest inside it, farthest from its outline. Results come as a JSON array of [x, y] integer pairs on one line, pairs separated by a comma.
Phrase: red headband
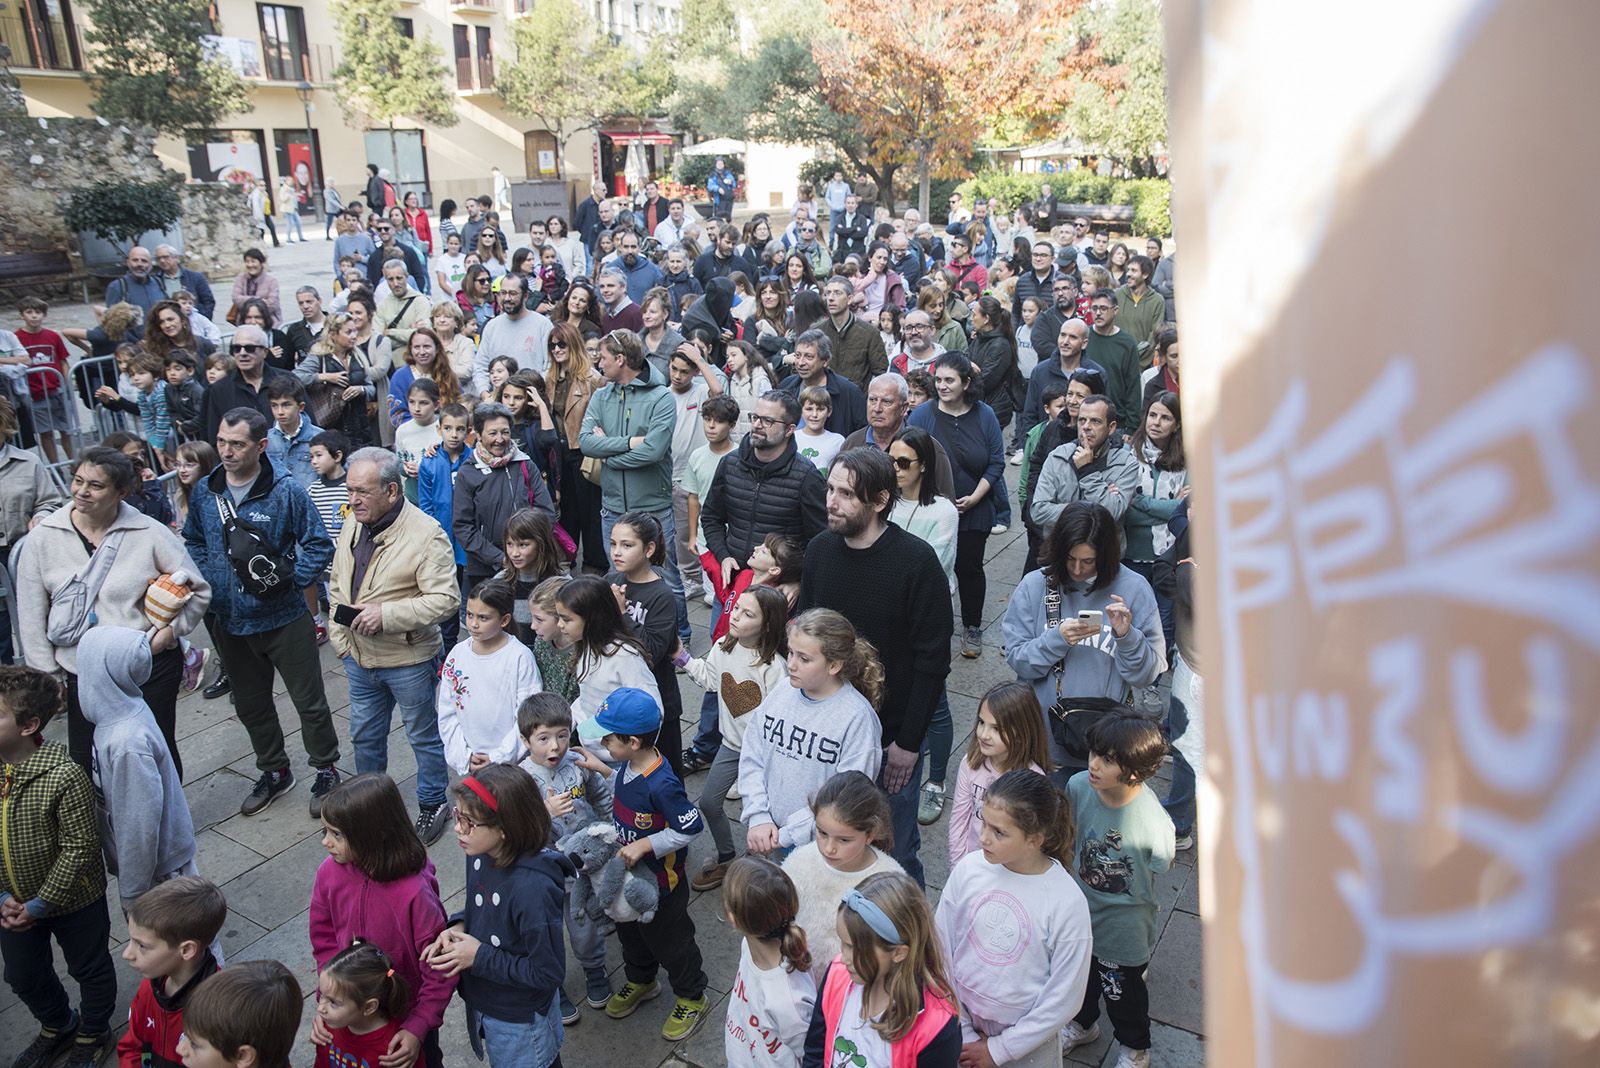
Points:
[[482, 791]]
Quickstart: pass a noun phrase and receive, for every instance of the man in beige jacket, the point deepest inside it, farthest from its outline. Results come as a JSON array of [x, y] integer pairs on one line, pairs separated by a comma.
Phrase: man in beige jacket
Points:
[[394, 568]]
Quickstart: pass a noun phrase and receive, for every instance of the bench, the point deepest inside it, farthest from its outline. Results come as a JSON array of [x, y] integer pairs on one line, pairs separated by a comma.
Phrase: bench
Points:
[[1118, 217], [20, 269]]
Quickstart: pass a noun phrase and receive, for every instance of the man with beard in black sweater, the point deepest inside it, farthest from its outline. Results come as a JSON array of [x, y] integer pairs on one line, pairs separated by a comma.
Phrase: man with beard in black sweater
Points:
[[889, 584]]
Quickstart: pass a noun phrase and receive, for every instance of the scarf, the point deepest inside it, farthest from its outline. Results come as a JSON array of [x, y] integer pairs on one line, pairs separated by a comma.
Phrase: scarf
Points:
[[1167, 381], [493, 463]]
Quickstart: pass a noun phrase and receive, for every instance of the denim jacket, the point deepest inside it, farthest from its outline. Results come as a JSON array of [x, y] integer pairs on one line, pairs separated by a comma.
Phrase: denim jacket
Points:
[[282, 510]]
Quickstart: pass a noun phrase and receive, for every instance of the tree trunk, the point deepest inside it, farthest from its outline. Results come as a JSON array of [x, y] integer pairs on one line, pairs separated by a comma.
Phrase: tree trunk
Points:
[[394, 158], [924, 185], [886, 186]]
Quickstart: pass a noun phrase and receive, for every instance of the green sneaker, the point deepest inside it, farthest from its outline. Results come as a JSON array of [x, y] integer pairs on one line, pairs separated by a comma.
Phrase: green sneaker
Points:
[[630, 997], [685, 1018]]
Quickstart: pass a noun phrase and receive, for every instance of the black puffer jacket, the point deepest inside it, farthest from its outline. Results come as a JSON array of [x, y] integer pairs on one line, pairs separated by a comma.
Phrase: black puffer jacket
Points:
[[996, 357], [750, 499]]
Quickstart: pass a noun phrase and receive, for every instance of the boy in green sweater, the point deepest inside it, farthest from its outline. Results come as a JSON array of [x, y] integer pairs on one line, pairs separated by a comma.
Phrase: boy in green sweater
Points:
[[52, 881]]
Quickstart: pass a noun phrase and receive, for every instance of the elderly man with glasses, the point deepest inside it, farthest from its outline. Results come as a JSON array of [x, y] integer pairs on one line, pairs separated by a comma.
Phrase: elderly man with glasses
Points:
[[245, 386]]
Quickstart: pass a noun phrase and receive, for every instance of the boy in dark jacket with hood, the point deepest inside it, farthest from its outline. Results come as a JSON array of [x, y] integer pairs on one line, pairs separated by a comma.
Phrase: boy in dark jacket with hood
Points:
[[54, 885]]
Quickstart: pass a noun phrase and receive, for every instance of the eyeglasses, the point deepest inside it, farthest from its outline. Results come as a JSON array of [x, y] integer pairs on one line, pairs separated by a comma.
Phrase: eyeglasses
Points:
[[464, 821], [903, 463], [768, 420]]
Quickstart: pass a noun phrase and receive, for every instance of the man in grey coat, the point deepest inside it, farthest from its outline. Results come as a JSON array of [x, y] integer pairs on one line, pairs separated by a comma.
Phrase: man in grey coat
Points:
[[1099, 467]]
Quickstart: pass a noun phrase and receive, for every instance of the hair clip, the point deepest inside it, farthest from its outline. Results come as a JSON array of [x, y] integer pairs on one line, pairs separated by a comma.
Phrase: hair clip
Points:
[[875, 917]]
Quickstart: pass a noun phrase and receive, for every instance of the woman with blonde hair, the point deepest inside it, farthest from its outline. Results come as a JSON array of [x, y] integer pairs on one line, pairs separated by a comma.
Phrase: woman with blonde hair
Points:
[[448, 320], [338, 381]]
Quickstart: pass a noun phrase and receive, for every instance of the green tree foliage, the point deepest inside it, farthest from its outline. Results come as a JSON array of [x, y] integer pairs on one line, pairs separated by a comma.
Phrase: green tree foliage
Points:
[[1122, 111], [1147, 196], [386, 75], [559, 76], [119, 212], [147, 66]]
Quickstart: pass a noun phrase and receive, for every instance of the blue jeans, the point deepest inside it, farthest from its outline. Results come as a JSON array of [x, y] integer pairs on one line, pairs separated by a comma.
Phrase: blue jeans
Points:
[[668, 571], [534, 1044], [1187, 731], [374, 694], [903, 815], [936, 743]]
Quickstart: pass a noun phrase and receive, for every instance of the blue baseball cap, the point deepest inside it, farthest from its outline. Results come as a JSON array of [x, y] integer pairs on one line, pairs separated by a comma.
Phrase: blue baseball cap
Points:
[[627, 711]]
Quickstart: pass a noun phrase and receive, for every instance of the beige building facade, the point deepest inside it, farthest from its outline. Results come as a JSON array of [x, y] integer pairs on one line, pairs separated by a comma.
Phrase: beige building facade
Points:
[[287, 52]]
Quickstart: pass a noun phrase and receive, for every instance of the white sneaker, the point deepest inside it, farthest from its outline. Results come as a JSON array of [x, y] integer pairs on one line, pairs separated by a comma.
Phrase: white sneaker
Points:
[[1073, 1035], [999, 528], [1133, 1058], [1184, 842], [710, 597], [1016, 458]]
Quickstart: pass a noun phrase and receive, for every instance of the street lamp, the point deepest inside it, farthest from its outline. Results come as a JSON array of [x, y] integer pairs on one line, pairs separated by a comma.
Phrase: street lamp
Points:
[[303, 90]]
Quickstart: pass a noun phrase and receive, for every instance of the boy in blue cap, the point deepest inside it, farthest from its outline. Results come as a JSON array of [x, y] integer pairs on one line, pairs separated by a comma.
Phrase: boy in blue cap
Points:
[[656, 822]]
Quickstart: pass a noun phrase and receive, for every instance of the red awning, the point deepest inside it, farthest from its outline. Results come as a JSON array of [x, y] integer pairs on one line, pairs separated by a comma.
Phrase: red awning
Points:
[[648, 137]]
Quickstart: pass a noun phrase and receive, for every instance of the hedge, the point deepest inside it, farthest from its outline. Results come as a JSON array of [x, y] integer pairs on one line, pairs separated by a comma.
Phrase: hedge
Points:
[[1148, 196]]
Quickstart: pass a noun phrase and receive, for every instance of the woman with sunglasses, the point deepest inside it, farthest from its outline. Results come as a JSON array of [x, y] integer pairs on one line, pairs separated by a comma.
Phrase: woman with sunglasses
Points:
[[572, 380], [477, 295], [490, 254]]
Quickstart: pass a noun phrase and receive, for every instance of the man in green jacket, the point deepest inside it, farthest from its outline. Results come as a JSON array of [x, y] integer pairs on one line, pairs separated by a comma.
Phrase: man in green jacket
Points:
[[628, 427], [1141, 311]]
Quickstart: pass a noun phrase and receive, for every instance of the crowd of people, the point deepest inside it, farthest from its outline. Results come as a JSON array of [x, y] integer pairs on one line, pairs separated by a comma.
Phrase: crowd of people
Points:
[[492, 474]]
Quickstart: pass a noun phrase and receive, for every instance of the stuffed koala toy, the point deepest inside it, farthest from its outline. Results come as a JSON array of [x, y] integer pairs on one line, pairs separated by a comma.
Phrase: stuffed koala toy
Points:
[[606, 886]]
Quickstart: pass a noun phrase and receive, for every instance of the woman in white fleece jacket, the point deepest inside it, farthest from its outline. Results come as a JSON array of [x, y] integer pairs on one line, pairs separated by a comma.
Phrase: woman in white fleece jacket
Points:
[[60, 548]]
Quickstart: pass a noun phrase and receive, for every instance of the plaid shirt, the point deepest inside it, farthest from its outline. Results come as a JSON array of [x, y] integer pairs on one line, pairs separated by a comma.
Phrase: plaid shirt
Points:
[[49, 844]]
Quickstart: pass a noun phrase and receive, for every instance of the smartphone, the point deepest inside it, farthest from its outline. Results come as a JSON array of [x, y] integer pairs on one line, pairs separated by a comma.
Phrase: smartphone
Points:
[[344, 615], [1087, 615]]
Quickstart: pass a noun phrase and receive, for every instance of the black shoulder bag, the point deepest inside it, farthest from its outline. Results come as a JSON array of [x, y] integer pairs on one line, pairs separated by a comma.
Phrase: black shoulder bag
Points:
[[261, 570], [1071, 718]]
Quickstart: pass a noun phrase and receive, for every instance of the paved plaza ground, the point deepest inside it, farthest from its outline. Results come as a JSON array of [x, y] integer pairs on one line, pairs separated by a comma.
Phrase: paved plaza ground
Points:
[[265, 864]]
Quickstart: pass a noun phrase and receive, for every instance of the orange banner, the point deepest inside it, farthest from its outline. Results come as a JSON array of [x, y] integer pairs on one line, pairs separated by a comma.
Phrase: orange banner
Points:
[[1388, 252]]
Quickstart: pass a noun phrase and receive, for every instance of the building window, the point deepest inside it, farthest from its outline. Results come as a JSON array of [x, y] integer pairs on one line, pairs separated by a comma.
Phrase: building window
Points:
[[407, 27], [44, 37], [485, 58], [463, 41], [283, 41]]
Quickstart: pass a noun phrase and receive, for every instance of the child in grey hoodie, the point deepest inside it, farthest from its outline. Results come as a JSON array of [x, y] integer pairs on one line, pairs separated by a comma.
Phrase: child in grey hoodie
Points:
[[576, 798], [145, 826]]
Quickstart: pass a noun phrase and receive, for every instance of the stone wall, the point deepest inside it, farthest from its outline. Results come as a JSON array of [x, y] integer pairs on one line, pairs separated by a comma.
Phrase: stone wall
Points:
[[43, 161]]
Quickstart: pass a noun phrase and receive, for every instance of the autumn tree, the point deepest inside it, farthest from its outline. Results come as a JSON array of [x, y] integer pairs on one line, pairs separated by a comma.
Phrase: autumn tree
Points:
[[772, 92], [386, 75], [929, 79]]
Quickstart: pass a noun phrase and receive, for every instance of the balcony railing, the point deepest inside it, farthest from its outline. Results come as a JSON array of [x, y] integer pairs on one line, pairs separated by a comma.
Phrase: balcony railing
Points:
[[475, 75], [474, 7], [42, 44], [314, 64], [522, 7]]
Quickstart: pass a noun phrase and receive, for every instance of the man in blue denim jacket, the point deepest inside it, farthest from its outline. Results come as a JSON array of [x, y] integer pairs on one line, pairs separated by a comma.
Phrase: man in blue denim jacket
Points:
[[255, 636]]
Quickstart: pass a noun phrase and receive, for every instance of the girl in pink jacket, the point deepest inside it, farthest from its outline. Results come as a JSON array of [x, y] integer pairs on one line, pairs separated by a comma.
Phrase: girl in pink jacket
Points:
[[379, 885]]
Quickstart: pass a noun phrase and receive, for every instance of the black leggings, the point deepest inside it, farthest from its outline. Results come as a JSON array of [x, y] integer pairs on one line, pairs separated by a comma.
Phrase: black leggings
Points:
[[970, 584], [580, 512], [160, 692]]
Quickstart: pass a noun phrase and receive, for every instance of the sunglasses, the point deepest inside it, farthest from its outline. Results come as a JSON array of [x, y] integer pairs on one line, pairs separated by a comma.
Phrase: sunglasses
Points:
[[903, 463], [562, 345], [249, 348]]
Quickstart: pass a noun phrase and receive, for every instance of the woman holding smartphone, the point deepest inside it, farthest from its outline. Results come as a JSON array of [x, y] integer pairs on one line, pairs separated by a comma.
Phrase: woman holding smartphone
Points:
[[1096, 660]]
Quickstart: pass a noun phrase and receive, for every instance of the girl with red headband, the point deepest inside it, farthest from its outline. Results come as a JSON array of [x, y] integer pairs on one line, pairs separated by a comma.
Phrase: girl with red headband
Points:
[[506, 943]]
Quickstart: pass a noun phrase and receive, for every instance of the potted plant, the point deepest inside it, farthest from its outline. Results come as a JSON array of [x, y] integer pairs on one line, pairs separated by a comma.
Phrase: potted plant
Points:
[[112, 217]]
